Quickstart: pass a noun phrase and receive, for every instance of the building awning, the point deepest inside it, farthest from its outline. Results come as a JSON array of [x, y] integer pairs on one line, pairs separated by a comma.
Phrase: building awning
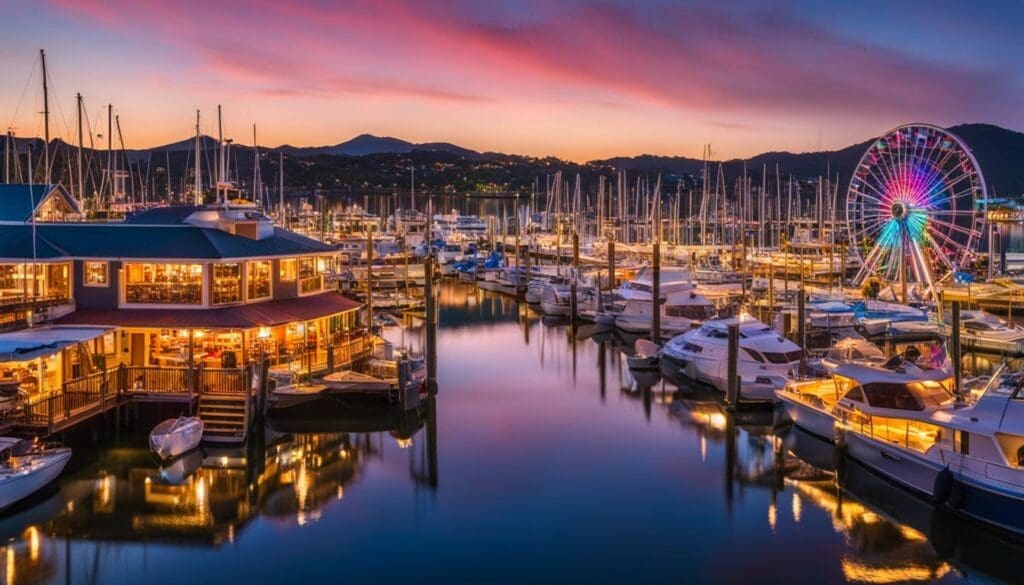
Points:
[[29, 344], [249, 316]]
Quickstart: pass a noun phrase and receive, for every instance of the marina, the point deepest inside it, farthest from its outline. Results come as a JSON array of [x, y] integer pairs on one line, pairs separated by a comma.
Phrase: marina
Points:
[[228, 355]]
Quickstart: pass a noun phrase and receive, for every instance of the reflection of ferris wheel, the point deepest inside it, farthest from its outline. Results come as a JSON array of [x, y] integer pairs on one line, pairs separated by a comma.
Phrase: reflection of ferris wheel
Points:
[[915, 204]]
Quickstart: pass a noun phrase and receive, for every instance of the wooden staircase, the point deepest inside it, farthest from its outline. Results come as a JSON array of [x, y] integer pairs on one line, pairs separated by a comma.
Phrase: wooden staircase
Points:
[[224, 417]]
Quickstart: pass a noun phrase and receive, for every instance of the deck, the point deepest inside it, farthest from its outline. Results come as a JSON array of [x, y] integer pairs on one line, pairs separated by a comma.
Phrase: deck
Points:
[[99, 392]]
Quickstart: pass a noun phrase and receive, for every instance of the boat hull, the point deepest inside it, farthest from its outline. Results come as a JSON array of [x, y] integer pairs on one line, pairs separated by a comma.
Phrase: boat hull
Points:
[[556, 309], [177, 442], [812, 420], [17, 488]]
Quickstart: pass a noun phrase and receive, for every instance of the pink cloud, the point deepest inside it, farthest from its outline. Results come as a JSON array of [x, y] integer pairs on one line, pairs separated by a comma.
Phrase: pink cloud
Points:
[[695, 60]]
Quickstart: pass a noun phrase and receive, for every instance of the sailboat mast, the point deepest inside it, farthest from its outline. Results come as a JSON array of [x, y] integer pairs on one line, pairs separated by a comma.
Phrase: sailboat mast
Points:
[[255, 168], [280, 187], [167, 170], [412, 187], [220, 153], [81, 181], [110, 147], [199, 165], [46, 120], [7, 157]]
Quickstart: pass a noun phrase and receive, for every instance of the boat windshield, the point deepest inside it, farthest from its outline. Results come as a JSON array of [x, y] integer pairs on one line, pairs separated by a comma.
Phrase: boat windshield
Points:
[[911, 396]]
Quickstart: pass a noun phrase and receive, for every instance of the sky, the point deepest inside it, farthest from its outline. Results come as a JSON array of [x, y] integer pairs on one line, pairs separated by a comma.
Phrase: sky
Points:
[[575, 79]]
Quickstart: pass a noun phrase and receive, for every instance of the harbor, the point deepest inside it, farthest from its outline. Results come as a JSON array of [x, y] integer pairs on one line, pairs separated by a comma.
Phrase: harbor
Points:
[[628, 292]]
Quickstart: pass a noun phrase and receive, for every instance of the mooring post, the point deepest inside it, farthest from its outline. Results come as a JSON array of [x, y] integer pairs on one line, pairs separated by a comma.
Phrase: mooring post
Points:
[[573, 285], [611, 263], [656, 282], [955, 355], [262, 388], [801, 325], [431, 309], [732, 379]]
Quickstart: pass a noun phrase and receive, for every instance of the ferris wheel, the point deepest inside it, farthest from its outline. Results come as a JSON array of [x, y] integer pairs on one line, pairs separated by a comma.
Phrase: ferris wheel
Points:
[[916, 205]]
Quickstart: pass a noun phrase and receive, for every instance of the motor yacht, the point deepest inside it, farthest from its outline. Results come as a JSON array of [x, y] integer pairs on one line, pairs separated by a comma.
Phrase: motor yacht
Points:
[[765, 362]]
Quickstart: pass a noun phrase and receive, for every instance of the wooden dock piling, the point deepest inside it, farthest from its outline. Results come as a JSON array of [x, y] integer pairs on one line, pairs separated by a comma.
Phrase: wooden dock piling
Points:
[[732, 389]]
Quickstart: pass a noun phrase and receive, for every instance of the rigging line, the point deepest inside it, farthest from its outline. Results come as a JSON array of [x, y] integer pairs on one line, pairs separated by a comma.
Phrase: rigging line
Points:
[[24, 91]]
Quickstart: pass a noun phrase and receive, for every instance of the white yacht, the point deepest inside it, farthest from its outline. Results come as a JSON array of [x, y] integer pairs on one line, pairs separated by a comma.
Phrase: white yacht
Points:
[[680, 312], [848, 349], [966, 455], [813, 404], [766, 358], [985, 332], [671, 280]]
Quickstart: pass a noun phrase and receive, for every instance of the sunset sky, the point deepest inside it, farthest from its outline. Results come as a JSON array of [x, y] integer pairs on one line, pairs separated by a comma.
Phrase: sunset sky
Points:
[[579, 80]]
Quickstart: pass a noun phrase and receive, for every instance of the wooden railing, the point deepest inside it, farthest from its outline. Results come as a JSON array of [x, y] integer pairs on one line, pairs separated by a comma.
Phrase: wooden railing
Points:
[[224, 381], [92, 391], [154, 380]]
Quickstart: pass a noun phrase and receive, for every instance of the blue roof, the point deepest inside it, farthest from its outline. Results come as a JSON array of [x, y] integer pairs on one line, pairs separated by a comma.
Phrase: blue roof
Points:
[[151, 242], [19, 201], [172, 215]]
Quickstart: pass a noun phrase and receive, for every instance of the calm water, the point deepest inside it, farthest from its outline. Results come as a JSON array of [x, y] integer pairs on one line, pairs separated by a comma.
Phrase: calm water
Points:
[[542, 460]]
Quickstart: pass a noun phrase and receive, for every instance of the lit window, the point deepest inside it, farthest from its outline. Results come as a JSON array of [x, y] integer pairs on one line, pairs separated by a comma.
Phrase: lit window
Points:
[[227, 283], [97, 274], [258, 280], [288, 270], [168, 284]]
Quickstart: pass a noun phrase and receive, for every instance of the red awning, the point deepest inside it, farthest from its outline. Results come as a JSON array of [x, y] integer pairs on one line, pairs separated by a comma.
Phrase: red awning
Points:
[[265, 314]]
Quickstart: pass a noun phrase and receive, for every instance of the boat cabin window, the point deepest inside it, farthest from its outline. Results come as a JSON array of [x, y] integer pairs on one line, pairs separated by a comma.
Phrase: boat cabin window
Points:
[[783, 357], [695, 312], [890, 395], [855, 394], [977, 326], [692, 347], [754, 355]]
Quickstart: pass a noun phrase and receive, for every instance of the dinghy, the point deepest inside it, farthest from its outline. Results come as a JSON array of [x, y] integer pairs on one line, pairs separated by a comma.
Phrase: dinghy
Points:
[[27, 468], [645, 355], [176, 436]]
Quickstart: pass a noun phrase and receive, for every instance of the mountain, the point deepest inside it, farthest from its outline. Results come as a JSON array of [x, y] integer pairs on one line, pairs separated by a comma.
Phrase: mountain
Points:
[[368, 163], [365, 144], [999, 152]]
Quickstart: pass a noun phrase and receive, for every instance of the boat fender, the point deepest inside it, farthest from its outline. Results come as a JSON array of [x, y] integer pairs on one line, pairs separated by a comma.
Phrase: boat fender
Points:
[[428, 387], [943, 486], [956, 495]]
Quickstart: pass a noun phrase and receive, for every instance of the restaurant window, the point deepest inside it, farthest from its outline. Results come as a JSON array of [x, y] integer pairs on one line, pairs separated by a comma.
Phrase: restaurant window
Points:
[[288, 270], [227, 284], [258, 280], [97, 273], [310, 278], [165, 284]]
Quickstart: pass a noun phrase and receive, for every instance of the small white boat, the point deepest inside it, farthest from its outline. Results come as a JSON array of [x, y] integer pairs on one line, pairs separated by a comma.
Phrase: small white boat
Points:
[[645, 355], [27, 468], [555, 299], [176, 436]]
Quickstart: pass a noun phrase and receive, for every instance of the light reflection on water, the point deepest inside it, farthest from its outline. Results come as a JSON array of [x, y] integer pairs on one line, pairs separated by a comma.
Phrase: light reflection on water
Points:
[[543, 459]]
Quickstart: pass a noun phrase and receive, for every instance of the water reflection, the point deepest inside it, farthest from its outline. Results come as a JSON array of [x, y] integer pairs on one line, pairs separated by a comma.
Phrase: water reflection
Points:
[[555, 454]]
